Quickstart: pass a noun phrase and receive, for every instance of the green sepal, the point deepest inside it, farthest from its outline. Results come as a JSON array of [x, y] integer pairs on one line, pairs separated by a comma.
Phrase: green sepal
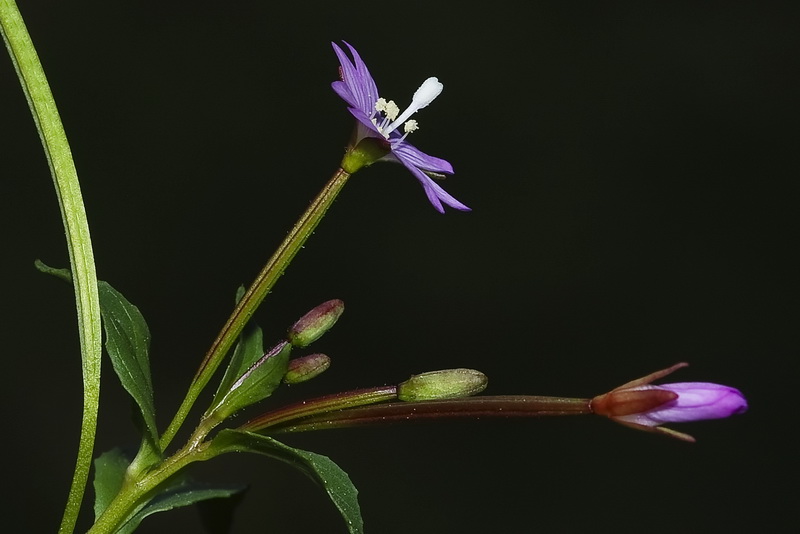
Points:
[[365, 153], [319, 468]]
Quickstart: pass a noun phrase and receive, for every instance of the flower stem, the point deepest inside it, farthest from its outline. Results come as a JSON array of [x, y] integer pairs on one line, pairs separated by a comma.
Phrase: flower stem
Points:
[[503, 406], [65, 178], [263, 283], [321, 405]]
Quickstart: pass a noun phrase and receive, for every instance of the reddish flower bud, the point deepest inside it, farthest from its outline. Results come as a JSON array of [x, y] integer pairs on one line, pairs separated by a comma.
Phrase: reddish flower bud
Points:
[[315, 323], [306, 368]]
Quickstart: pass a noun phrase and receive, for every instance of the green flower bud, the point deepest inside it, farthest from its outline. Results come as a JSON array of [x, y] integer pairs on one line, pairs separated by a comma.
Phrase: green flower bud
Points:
[[306, 368], [446, 384], [315, 323]]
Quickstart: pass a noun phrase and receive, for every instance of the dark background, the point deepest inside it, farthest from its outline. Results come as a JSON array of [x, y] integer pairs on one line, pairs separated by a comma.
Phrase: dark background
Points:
[[633, 174]]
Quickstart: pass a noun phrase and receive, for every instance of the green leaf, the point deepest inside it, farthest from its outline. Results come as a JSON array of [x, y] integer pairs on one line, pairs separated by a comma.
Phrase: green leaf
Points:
[[63, 274], [256, 383], [176, 497], [249, 349], [128, 344], [320, 468], [109, 472]]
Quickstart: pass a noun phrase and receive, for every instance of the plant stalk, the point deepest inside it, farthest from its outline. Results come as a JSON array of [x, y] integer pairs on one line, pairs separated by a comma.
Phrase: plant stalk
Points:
[[321, 406], [503, 406], [248, 304], [65, 178]]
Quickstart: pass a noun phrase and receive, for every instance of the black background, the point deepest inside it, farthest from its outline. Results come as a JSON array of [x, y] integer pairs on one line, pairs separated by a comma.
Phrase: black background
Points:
[[633, 174]]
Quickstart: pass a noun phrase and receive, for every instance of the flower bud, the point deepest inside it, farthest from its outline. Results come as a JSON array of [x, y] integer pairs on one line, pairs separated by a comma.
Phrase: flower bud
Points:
[[644, 406], [315, 323], [446, 384], [694, 401], [306, 368]]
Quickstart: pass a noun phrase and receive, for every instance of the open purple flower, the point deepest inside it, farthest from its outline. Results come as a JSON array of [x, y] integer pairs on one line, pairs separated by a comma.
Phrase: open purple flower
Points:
[[639, 404], [381, 119]]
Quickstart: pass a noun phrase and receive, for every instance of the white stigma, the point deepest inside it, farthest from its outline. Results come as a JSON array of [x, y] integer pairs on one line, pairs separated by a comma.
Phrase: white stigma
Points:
[[427, 92]]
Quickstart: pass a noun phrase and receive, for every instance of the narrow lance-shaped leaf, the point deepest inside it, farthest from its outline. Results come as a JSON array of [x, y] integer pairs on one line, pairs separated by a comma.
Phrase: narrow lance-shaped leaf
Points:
[[255, 384], [128, 345], [320, 468]]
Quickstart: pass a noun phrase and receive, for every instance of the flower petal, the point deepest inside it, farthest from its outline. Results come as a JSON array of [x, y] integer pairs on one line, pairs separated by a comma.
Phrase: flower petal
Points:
[[363, 93], [416, 157], [344, 93], [436, 195], [364, 122], [701, 400]]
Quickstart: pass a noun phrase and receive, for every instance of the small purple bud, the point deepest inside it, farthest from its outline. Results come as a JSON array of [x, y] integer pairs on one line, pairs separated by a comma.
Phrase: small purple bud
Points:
[[315, 323], [306, 368]]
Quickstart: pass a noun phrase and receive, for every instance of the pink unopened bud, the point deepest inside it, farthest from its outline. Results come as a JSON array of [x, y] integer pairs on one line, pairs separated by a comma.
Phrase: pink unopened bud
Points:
[[639, 404], [306, 368], [315, 323]]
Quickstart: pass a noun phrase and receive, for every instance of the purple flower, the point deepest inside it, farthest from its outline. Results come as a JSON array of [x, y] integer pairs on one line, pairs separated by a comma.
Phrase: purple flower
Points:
[[639, 404], [381, 119], [695, 401]]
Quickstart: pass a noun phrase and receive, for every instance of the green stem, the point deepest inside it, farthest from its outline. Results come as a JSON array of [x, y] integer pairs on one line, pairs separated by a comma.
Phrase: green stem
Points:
[[59, 157], [263, 283]]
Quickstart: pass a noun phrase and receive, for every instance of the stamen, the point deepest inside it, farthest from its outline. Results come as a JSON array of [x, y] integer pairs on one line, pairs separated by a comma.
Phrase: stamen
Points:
[[408, 127], [389, 110]]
